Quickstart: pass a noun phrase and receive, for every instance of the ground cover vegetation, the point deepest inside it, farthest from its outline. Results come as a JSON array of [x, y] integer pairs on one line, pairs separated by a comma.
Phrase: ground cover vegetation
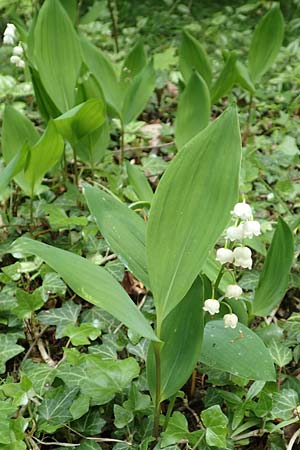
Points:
[[149, 189]]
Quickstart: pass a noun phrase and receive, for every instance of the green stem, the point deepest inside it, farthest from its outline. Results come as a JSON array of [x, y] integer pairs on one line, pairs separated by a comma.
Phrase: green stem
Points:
[[122, 144], [31, 209], [75, 166], [248, 123], [157, 390], [112, 6], [218, 280], [169, 411]]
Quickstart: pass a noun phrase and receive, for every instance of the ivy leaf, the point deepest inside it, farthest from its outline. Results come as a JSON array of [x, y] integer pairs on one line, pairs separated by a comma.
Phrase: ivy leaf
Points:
[[90, 424], [176, 431], [8, 349], [122, 416], [281, 354], [284, 403], [40, 375], [61, 317], [81, 335], [55, 408], [216, 426]]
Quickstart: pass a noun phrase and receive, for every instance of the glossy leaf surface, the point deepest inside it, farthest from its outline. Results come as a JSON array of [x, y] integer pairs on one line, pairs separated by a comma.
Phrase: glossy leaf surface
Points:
[[94, 284], [191, 208], [182, 333], [193, 110], [122, 228], [238, 351], [266, 42], [273, 280], [57, 53], [192, 57]]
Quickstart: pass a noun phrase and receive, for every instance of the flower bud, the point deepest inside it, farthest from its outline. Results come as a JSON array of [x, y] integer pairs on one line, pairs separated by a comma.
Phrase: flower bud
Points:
[[235, 233], [212, 306], [242, 257], [233, 291], [224, 255], [230, 320], [242, 211], [18, 50], [251, 228]]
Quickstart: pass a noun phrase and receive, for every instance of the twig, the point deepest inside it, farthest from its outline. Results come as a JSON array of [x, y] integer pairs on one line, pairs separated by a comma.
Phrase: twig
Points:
[[62, 444], [114, 21], [36, 337], [97, 439], [293, 439], [246, 435], [46, 358]]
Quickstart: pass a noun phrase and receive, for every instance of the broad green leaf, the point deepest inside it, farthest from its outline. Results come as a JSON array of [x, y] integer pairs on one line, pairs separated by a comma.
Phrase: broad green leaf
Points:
[[13, 168], [8, 349], [193, 57], [81, 120], [226, 79], [80, 406], [138, 92], [135, 61], [139, 182], [57, 54], [54, 411], [243, 78], [273, 280], [191, 208], [216, 423], [193, 110], [280, 353], [94, 284], [88, 445], [122, 228], [104, 72], [42, 156], [238, 351], [17, 130], [182, 333], [266, 42], [91, 148], [284, 404], [45, 105]]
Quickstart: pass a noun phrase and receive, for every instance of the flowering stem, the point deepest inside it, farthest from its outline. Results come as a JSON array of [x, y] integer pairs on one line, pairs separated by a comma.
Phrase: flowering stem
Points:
[[218, 280]]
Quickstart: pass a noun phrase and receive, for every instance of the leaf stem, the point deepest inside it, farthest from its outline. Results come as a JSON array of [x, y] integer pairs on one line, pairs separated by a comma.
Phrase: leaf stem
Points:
[[157, 390], [169, 411]]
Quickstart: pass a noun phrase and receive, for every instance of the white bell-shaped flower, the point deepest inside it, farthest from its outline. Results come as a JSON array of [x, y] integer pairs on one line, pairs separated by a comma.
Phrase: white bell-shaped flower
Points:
[[18, 50], [224, 255], [230, 320], [233, 291], [242, 211], [251, 228], [15, 59], [235, 233], [242, 257], [8, 39], [212, 306]]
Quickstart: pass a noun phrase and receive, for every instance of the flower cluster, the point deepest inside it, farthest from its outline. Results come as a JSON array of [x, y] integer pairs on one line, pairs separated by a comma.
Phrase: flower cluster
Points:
[[16, 57], [240, 256], [9, 38]]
